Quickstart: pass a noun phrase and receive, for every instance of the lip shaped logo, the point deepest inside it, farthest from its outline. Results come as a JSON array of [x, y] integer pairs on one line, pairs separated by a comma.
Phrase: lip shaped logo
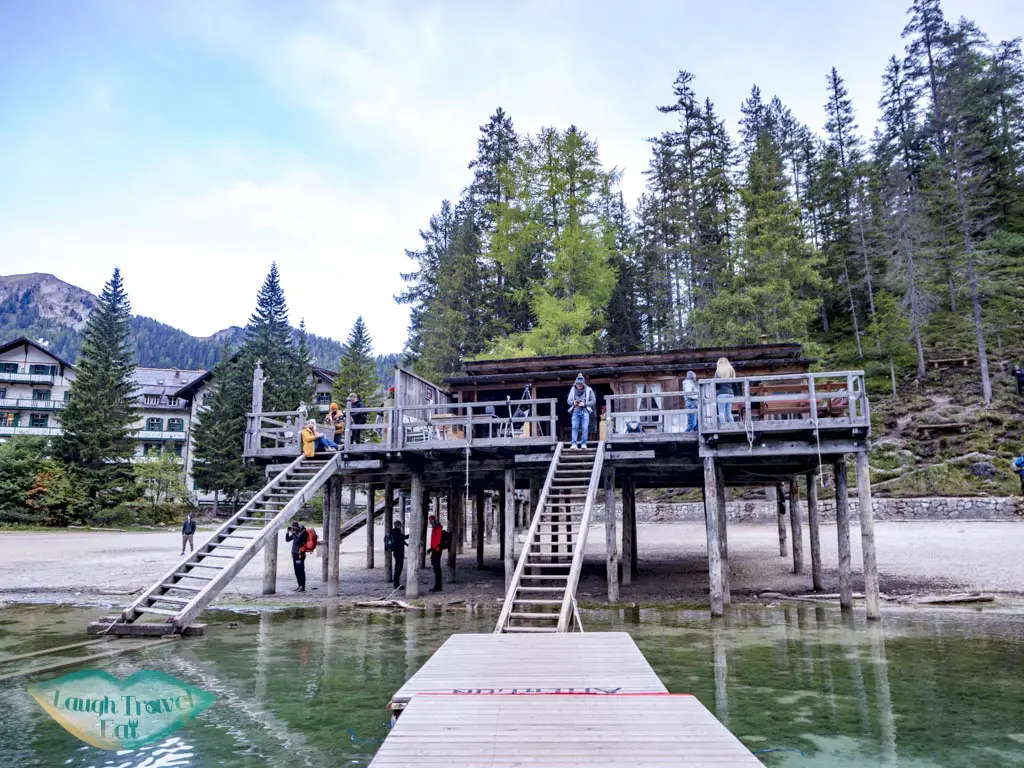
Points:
[[110, 713]]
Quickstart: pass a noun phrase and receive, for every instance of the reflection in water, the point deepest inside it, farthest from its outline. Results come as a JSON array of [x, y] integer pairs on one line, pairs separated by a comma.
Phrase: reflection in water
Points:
[[310, 687]]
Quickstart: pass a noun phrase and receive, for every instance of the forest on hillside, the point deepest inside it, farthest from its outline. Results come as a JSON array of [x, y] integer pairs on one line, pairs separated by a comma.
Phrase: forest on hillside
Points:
[[876, 246]]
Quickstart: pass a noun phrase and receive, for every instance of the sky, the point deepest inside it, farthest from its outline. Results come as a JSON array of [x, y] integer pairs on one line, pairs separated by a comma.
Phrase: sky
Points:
[[193, 143]]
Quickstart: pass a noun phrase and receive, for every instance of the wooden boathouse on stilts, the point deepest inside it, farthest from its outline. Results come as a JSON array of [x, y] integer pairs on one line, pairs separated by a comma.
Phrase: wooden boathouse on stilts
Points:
[[495, 436]]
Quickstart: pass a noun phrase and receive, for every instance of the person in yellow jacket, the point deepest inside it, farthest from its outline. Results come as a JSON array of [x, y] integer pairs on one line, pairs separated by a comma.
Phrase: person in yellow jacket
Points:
[[313, 441]]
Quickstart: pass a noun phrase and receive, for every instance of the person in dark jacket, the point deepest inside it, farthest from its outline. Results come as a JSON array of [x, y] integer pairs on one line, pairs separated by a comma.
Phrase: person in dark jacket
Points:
[[398, 540], [355, 401], [1018, 374], [436, 539], [297, 536], [724, 370], [188, 529]]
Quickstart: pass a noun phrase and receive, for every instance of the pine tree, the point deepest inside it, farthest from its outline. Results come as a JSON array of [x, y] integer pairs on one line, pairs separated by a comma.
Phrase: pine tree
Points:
[[98, 422], [357, 369]]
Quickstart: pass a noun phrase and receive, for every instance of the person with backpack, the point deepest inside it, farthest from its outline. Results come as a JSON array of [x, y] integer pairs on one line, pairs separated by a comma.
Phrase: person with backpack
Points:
[[188, 529], [1018, 467], [394, 543], [581, 401], [1018, 374], [303, 540], [436, 546], [355, 401]]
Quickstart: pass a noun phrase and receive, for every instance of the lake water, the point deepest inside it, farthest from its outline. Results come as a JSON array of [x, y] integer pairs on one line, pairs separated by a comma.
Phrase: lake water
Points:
[[309, 687]]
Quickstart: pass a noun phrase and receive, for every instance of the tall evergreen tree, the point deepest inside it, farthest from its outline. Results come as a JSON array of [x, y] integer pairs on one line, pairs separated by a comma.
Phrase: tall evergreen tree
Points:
[[98, 420], [357, 369]]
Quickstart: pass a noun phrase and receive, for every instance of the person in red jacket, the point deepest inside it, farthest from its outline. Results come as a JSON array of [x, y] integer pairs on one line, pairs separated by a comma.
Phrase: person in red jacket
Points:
[[436, 539]]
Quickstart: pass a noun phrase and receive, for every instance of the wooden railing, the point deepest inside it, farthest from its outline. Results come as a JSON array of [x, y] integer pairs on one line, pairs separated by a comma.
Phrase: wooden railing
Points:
[[659, 412], [784, 402]]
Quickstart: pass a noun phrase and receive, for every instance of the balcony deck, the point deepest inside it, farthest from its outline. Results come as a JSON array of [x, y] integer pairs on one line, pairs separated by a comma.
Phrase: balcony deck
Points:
[[29, 404]]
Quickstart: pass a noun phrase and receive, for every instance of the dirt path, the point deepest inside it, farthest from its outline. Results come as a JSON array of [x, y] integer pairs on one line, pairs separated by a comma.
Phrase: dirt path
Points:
[[110, 566]]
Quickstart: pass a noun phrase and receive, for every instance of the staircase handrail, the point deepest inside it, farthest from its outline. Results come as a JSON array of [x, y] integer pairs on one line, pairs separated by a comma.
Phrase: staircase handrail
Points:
[[510, 596], [581, 542], [169, 576]]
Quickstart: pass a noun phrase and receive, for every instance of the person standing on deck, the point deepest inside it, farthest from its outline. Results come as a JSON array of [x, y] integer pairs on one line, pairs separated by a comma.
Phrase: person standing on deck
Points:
[[582, 401], [690, 400], [188, 529], [436, 544], [398, 540], [354, 401], [335, 418], [725, 371], [297, 536]]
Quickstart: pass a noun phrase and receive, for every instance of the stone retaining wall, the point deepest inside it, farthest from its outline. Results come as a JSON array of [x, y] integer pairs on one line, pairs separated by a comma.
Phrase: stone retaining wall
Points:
[[937, 508]]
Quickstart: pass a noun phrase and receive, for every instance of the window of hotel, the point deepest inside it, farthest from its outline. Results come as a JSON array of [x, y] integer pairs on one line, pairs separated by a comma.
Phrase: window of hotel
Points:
[[67, 395], [172, 401], [323, 398], [151, 449], [40, 394], [152, 399], [8, 419], [175, 449], [175, 425], [3, 393], [38, 420], [8, 367], [154, 425], [41, 370]]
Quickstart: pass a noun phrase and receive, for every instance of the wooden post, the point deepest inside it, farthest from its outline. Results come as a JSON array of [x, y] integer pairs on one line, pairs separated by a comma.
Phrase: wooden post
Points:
[[488, 518], [723, 540], [370, 497], [715, 583], [417, 497], [478, 529], [843, 532], [459, 541], [867, 535], [389, 522], [796, 526], [270, 564], [351, 497], [627, 532], [421, 521], [325, 554], [610, 543], [500, 532], [334, 542], [455, 515], [534, 501], [780, 514], [634, 560], [509, 532], [812, 522]]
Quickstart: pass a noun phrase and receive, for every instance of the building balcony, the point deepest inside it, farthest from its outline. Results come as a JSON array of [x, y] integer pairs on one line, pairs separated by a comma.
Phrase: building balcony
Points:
[[27, 378], [145, 434], [35, 431], [28, 404]]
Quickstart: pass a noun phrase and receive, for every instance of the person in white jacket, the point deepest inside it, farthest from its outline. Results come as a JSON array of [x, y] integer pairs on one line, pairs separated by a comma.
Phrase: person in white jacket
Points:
[[690, 395], [582, 402]]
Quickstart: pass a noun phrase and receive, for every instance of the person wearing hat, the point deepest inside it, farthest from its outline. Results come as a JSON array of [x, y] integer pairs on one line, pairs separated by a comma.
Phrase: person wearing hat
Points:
[[357, 418], [297, 535], [582, 401], [336, 418]]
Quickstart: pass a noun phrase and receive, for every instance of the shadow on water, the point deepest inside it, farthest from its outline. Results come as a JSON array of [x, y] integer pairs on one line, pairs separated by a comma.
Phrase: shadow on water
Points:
[[309, 687]]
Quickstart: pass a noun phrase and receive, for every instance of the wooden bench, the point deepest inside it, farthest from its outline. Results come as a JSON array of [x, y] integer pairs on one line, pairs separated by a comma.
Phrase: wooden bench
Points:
[[962, 361], [949, 427], [799, 407]]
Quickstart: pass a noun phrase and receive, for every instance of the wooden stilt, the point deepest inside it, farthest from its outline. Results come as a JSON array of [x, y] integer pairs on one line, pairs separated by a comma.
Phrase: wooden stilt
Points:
[[796, 525], [867, 536], [812, 524], [270, 564], [500, 532], [509, 533], [417, 498], [326, 534], [478, 529], [627, 532], [715, 580], [389, 521], [780, 514], [843, 532], [422, 523], [610, 542], [455, 515], [334, 542], [634, 560], [351, 501], [723, 540], [370, 504], [488, 518]]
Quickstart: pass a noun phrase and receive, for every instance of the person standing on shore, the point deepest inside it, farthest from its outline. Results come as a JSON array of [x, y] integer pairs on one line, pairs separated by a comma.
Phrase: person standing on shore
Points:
[[188, 529], [297, 536], [436, 545], [398, 540]]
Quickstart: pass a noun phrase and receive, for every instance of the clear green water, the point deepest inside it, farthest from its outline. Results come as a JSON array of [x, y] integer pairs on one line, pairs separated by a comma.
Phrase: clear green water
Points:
[[926, 688]]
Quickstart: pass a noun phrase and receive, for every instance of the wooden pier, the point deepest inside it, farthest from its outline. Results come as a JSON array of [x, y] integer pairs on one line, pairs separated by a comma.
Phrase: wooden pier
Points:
[[592, 699]]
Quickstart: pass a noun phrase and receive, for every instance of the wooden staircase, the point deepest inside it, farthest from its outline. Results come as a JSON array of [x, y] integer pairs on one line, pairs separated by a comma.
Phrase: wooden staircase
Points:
[[184, 591], [542, 596]]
